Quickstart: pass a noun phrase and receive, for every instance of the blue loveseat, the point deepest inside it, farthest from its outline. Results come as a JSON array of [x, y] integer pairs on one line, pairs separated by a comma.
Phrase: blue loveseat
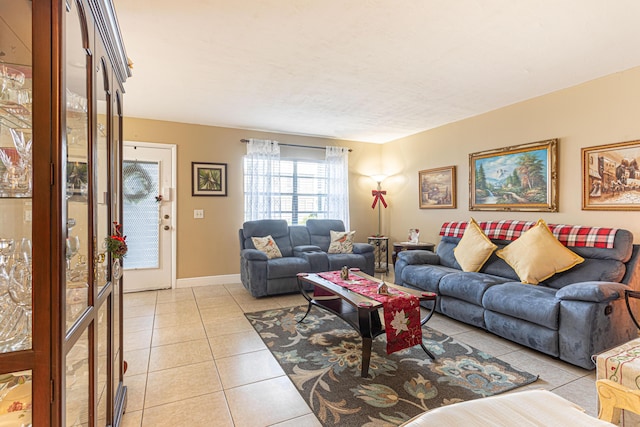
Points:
[[571, 315], [304, 250]]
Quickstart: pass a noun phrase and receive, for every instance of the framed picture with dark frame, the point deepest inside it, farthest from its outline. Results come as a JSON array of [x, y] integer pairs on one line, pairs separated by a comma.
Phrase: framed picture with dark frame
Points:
[[611, 177], [208, 179], [437, 188], [516, 178]]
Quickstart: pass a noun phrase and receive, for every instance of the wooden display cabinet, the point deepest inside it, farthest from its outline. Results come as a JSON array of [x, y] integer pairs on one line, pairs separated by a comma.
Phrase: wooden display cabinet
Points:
[[62, 70]]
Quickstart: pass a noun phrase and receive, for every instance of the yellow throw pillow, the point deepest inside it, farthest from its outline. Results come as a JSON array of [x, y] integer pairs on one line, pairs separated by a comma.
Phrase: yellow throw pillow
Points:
[[474, 248], [537, 255], [341, 242], [268, 246]]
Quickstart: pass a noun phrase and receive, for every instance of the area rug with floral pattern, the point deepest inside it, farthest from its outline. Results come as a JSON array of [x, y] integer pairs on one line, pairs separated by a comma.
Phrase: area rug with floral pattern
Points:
[[322, 357]]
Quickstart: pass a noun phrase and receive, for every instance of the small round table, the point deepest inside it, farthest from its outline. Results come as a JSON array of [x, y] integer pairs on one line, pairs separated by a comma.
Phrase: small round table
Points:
[[408, 246]]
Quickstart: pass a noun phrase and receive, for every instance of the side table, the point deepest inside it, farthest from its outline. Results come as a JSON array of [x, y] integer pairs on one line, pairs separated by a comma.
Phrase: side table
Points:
[[380, 251], [408, 246]]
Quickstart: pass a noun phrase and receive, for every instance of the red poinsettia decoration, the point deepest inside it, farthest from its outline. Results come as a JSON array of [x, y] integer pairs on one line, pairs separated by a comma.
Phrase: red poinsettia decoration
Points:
[[116, 243]]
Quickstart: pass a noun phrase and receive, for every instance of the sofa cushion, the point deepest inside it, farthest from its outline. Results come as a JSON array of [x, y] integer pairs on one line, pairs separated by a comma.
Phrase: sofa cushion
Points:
[[474, 248], [425, 277], [498, 267], [319, 231], [445, 249], [537, 255], [299, 235], [535, 304], [267, 245], [341, 242], [468, 287], [276, 228], [600, 270]]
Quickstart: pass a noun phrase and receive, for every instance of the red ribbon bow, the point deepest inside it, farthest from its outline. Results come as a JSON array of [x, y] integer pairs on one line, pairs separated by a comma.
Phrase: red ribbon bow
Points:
[[377, 195]]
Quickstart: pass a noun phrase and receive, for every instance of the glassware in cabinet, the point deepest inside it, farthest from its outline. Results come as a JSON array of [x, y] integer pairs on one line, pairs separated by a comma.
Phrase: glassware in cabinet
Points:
[[16, 178]]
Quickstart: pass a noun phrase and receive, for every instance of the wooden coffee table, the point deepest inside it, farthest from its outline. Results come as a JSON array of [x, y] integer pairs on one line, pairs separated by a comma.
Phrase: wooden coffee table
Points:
[[357, 310]]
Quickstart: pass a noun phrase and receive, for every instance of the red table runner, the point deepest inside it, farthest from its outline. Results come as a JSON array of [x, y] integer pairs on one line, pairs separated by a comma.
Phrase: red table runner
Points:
[[401, 310]]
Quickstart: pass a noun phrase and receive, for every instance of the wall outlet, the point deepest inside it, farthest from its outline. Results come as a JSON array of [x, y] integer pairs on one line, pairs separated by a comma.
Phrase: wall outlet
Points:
[[198, 213]]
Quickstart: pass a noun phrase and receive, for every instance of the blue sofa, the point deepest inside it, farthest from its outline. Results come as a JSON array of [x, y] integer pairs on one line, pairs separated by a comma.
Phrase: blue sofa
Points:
[[571, 315], [303, 248]]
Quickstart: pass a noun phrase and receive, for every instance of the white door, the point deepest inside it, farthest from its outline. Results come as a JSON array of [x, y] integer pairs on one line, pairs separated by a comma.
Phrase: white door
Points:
[[149, 207]]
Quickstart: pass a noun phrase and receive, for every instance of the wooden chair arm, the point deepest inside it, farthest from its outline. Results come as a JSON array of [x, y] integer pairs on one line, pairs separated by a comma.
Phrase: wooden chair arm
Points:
[[615, 397]]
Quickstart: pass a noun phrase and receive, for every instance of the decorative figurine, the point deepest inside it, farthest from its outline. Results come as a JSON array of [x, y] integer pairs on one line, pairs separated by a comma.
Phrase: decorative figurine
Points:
[[344, 273], [383, 289]]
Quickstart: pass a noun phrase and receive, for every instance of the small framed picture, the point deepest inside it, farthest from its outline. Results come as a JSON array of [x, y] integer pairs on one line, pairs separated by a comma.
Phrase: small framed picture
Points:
[[437, 188], [611, 177], [208, 179]]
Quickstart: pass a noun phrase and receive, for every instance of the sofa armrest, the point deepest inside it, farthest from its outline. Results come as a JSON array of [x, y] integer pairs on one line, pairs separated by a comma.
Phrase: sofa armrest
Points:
[[419, 257], [592, 291], [253, 255], [362, 248]]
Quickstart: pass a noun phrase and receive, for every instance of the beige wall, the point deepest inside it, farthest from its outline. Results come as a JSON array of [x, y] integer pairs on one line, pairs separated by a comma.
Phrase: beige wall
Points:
[[602, 111], [209, 246]]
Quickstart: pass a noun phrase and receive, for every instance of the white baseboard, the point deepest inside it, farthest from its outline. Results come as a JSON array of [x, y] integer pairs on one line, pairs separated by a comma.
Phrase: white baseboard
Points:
[[191, 282]]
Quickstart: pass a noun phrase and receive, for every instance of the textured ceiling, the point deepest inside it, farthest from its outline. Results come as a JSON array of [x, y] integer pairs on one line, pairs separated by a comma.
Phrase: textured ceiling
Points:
[[365, 70]]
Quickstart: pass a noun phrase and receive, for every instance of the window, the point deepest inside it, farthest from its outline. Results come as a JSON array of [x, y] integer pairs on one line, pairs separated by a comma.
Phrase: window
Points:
[[295, 188], [303, 190]]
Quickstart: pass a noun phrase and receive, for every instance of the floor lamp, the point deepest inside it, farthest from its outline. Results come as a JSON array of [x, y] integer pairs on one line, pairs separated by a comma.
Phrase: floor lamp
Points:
[[378, 199]]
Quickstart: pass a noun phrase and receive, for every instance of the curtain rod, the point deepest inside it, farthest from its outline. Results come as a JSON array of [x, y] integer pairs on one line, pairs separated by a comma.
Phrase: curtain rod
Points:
[[295, 145]]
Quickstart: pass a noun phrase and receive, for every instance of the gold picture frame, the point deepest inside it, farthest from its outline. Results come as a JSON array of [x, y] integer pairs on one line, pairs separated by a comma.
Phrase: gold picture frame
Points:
[[516, 178], [437, 188], [611, 177]]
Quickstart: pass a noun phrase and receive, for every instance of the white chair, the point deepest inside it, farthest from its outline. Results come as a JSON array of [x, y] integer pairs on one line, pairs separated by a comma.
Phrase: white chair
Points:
[[539, 408]]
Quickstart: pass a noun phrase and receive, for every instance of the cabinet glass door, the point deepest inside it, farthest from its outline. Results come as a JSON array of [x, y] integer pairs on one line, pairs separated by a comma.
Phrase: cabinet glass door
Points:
[[103, 224], [16, 177], [16, 185], [77, 167]]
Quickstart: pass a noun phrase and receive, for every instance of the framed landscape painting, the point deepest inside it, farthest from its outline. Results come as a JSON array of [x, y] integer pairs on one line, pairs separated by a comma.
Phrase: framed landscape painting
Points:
[[209, 179], [517, 178], [437, 188], [611, 177]]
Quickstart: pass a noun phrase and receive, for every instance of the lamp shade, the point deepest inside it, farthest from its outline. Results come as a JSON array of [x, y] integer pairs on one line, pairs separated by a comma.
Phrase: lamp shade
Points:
[[378, 178]]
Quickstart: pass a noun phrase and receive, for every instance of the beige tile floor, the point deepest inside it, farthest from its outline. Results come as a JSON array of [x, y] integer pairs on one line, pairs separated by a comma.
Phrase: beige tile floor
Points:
[[194, 360]]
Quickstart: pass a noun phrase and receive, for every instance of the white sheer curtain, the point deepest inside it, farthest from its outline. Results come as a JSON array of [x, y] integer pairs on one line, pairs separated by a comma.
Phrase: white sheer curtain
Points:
[[262, 180], [338, 184]]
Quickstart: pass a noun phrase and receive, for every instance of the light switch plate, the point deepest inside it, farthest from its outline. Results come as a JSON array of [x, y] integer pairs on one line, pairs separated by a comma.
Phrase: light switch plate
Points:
[[198, 213]]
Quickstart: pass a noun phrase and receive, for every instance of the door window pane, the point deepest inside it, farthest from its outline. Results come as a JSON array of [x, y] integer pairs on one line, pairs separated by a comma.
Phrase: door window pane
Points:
[[142, 210]]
